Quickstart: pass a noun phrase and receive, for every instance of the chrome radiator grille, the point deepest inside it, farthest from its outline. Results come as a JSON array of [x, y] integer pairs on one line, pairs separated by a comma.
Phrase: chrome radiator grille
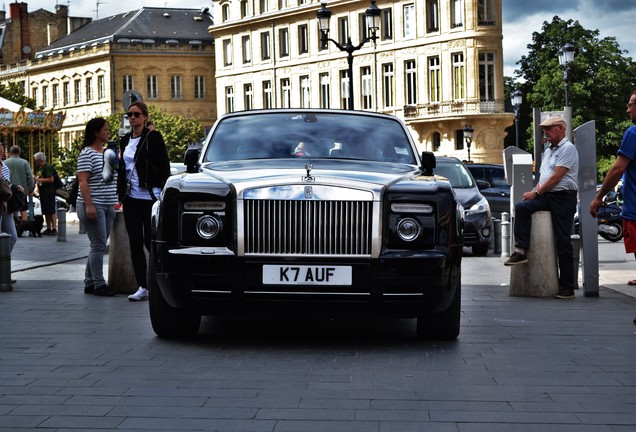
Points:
[[306, 227]]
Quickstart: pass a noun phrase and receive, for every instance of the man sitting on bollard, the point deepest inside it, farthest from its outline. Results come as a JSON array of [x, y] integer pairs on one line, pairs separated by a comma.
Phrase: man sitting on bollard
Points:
[[556, 193]]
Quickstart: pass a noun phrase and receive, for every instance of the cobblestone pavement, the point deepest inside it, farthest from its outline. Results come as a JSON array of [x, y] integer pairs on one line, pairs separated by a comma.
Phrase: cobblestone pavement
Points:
[[71, 361]]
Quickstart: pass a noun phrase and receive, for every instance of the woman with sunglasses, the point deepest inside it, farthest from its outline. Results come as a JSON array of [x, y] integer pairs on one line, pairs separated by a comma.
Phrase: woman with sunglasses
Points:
[[144, 168]]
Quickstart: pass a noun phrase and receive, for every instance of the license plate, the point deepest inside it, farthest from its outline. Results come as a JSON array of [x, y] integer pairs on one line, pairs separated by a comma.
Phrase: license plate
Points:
[[306, 275]]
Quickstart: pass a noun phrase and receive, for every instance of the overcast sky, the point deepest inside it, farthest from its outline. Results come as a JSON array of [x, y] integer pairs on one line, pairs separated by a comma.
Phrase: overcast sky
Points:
[[613, 18]]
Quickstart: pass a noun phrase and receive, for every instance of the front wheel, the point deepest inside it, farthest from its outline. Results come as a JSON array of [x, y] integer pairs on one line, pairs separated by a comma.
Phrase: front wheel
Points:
[[168, 322], [614, 237], [443, 325]]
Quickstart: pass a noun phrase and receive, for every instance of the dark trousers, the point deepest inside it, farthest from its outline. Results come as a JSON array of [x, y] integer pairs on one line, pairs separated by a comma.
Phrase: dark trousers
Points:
[[562, 206], [137, 219]]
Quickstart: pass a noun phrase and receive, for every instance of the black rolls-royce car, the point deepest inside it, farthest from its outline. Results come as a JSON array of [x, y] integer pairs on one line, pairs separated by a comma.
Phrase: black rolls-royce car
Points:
[[307, 212]]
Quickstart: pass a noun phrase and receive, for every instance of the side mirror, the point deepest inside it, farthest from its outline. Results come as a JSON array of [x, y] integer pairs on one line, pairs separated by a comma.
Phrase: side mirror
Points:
[[482, 184], [428, 163], [191, 160]]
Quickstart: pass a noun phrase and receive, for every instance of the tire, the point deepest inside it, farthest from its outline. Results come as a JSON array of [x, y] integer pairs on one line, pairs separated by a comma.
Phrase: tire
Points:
[[614, 238], [442, 325], [480, 249], [168, 322]]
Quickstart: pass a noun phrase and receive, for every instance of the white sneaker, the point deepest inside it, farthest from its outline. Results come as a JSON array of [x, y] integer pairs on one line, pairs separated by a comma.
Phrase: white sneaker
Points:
[[141, 294]]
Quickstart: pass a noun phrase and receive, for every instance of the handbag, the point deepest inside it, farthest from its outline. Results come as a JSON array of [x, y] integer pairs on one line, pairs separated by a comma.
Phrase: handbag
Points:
[[5, 190]]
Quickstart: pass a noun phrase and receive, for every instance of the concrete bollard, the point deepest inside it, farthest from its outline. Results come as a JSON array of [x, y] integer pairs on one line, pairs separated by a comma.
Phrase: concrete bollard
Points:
[[539, 277], [5, 263], [505, 235], [121, 276], [576, 258], [61, 225]]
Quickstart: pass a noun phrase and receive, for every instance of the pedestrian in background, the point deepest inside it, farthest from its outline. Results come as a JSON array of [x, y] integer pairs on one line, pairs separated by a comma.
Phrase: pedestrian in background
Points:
[[144, 168], [557, 193], [21, 175], [45, 179], [8, 223], [96, 203], [625, 164]]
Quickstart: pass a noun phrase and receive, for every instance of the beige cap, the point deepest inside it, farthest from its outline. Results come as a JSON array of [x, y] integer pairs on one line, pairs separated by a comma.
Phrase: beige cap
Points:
[[553, 121]]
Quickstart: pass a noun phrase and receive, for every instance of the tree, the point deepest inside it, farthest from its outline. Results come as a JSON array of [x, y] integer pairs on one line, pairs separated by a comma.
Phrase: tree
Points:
[[601, 80], [177, 131], [15, 93]]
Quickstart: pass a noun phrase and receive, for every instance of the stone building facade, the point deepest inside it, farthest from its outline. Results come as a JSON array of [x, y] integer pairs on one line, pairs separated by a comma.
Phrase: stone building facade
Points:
[[438, 64]]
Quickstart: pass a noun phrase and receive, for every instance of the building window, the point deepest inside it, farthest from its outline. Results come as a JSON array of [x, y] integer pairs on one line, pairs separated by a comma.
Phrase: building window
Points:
[[458, 76], [432, 16], [89, 89], [101, 87], [248, 96], [229, 99], [409, 20], [127, 83], [410, 80], [45, 96], [363, 27], [199, 87], [77, 85], [243, 8], [285, 87], [434, 80], [486, 12], [225, 12], [175, 87], [487, 76], [265, 46], [263, 6], [152, 88], [343, 30], [267, 95], [436, 140], [56, 95], [387, 24], [246, 48], [227, 52], [305, 93], [283, 40], [459, 139], [34, 94], [66, 87], [457, 13], [344, 89], [303, 39], [388, 83], [367, 87], [324, 90]]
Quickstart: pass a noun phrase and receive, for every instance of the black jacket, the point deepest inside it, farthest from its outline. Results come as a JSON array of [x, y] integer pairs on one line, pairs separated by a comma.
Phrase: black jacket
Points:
[[152, 162]]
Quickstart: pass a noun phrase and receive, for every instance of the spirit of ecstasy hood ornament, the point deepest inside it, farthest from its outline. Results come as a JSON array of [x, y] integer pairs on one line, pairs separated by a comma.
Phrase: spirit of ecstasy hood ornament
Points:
[[309, 177]]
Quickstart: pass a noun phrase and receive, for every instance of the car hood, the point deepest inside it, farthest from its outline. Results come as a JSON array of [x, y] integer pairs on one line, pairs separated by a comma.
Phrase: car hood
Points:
[[467, 196]]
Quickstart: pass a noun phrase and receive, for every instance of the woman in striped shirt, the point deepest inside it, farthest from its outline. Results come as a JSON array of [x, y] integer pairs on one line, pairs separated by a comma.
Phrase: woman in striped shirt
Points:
[[96, 202]]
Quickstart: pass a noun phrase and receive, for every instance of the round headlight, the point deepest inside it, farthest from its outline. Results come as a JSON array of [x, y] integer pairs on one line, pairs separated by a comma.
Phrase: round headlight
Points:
[[208, 227], [408, 229]]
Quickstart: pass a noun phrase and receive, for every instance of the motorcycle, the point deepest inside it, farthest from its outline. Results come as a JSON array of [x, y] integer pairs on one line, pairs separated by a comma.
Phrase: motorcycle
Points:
[[610, 224]]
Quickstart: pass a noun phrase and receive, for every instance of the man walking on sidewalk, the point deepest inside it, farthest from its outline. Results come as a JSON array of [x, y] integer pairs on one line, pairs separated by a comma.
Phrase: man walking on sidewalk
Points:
[[625, 163]]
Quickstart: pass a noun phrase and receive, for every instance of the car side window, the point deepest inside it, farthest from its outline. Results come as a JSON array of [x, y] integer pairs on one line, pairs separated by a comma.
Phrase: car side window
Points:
[[498, 177]]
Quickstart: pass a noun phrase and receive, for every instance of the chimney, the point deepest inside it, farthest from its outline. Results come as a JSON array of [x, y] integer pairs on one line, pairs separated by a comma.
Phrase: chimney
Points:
[[61, 10]]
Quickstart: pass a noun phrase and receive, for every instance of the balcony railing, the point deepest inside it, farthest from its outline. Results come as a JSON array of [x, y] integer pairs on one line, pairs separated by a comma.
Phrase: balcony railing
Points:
[[452, 108]]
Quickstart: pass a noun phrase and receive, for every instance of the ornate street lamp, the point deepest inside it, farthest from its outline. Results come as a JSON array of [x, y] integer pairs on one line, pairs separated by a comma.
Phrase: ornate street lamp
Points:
[[372, 16], [566, 57], [468, 137], [516, 98]]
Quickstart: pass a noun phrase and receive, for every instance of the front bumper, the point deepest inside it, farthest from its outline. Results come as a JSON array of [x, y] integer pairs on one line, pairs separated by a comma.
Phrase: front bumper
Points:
[[213, 281]]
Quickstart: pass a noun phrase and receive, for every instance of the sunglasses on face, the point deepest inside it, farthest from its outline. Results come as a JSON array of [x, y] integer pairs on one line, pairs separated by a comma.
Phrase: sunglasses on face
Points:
[[136, 114]]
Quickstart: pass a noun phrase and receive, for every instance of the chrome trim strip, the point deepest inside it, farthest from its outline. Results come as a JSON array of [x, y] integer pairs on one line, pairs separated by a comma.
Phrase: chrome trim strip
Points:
[[307, 293], [211, 291], [201, 250]]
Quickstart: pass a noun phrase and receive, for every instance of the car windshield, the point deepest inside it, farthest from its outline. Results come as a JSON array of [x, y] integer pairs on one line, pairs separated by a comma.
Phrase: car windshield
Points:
[[309, 135], [456, 173]]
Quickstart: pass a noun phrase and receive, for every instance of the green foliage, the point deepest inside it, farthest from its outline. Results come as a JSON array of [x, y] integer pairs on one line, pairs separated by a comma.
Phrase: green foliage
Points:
[[66, 163], [177, 131], [15, 93], [601, 81]]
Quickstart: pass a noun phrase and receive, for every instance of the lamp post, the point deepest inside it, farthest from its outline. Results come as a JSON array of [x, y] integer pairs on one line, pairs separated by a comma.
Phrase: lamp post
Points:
[[468, 137], [516, 99], [372, 16], [566, 57]]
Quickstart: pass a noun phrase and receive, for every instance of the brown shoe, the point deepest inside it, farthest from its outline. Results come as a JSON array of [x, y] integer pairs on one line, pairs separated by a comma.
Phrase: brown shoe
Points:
[[565, 294], [516, 258]]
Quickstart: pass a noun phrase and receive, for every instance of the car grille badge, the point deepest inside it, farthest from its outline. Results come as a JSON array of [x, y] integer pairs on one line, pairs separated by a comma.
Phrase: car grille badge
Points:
[[309, 192]]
